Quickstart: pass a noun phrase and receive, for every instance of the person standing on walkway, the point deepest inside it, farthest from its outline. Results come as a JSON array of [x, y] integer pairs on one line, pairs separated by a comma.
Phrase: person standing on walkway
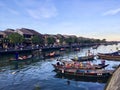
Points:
[[16, 55]]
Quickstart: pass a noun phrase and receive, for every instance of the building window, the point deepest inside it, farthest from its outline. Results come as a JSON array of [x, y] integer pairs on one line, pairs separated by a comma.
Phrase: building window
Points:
[[27, 36], [1, 36]]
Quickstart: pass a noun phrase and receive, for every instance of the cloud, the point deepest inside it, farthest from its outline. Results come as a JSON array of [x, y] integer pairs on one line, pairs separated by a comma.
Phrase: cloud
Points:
[[42, 12], [7, 8], [38, 9], [112, 12]]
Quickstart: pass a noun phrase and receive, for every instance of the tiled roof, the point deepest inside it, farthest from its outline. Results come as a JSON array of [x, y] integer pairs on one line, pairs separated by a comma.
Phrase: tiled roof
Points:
[[2, 32], [35, 32], [8, 33], [9, 30], [25, 31]]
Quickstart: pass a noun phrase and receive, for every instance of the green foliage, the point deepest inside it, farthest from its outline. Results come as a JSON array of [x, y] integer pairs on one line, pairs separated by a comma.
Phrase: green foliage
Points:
[[61, 40], [103, 40], [69, 40], [75, 40], [37, 40], [15, 38], [50, 40]]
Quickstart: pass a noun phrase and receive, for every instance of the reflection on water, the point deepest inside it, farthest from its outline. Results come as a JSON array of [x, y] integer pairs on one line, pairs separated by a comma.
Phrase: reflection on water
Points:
[[38, 73], [83, 79]]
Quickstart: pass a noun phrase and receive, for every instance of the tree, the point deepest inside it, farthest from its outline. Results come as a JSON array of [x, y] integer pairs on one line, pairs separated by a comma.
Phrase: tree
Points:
[[69, 40], [75, 40], [50, 40], [37, 40], [103, 40], [15, 38], [61, 40]]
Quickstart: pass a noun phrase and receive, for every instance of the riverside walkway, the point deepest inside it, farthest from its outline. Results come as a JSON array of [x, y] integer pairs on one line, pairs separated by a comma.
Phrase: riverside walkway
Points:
[[114, 83], [28, 49], [44, 48]]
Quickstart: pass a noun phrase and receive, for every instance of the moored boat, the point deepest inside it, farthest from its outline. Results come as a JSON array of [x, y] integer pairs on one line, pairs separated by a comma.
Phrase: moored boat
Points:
[[77, 49], [83, 58], [84, 73], [78, 65], [95, 47], [51, 55], [62, 49], [21, 58], [108, 56]]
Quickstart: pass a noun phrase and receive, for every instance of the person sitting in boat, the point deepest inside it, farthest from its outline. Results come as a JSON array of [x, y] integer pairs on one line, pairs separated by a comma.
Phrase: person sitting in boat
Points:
[[81, 65], [67, 65], [103, 62], [76, 65], [72, 64], [89, 53], [58, 63], [76, 58], [24, 57], [88, 64]]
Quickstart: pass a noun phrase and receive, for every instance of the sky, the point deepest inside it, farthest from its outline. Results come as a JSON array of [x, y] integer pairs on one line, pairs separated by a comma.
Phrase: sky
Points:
[[99, 19]]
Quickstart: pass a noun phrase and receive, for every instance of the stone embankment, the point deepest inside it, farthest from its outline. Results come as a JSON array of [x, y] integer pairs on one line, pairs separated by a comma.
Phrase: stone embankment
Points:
[[114, 83]]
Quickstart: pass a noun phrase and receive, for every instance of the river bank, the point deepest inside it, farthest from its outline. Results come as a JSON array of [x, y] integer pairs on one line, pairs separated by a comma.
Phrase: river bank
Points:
[[47, 48]]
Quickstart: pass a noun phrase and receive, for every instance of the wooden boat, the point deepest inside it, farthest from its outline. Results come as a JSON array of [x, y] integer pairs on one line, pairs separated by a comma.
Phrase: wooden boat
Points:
[[21, 58], [77, 65], [51, 55], [84, 72], [95, 47], [82, 68], [84, 58], [62, 49], [76, 49], [108, 56]]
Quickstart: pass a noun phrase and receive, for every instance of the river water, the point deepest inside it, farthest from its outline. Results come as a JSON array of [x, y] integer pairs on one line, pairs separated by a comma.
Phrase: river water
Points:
[[39, 74]]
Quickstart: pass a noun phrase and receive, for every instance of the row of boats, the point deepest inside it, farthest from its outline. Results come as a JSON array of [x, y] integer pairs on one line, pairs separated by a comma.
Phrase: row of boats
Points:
[[77, 68], [105, 56]]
